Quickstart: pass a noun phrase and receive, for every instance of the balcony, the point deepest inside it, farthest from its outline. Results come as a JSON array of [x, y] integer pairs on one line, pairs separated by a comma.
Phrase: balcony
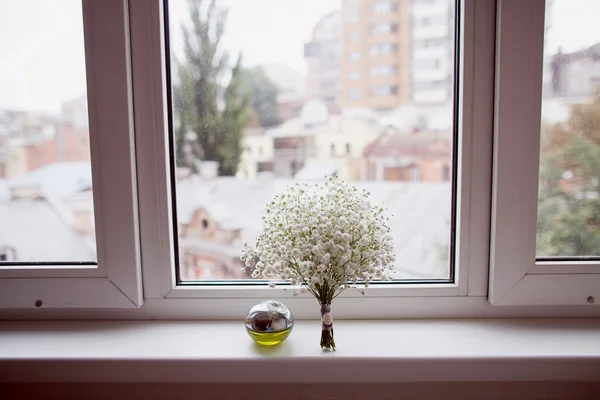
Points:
[[430, 10], [431, 74], [431, 96], [431, 31]]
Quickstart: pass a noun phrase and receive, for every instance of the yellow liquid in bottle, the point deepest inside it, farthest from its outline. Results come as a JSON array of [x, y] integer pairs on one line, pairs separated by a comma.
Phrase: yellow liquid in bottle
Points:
[[269, 338]]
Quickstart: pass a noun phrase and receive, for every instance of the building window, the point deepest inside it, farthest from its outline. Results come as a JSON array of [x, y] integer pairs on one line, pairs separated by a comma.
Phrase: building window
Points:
[[384, 90], [354, 76], [8, 253], [415, 173], [384, 70], [348, 148], [427, 63], [373, 173], [351, 16], [332, 149], [383, 28], [353, 37], [384, 6], [429, 85], [354, 95], [354, 56], [446, 173], [383, 49], [205, 223], [426, 43], [422, 21]]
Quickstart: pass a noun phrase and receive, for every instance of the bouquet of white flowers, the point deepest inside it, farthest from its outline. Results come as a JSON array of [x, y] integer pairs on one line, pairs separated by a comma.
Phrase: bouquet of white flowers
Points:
[[324, 238]]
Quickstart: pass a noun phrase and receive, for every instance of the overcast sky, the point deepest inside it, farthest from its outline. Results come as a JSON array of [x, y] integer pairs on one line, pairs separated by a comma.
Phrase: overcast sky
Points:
[[42, 57]]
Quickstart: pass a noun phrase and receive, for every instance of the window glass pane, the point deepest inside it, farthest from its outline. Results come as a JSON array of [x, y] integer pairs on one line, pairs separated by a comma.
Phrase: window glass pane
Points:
[[46, 207], [254, 112], [569, 201]]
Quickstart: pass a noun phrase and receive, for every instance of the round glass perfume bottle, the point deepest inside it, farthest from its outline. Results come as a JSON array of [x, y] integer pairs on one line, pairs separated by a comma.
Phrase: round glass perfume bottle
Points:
[[269, 323]]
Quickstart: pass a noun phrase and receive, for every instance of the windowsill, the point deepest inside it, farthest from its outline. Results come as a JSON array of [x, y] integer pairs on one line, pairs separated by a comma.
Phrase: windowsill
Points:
[[368, 351]]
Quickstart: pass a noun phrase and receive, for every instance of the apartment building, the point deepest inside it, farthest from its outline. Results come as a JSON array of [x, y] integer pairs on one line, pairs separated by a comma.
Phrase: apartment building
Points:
[[432, 51], [376, 54], [322, 55]]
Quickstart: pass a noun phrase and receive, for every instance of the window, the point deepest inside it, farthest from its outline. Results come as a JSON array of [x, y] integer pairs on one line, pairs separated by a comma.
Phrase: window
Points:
[[431, 42], [384, 70], [8, 253], [354, 56], [429, 85], [347, 148], [383, 49], [384, 90], [353, 37], [384, 6], [423, 21], [437, 20], [55, 253], [446, 173], [332, 149], [426, 63], [568, 198], [354, 95], [551, 259], [354, 76], [47, 178], [198, 203], [351, 16], [384, 27], [569, 187], [415, 173]]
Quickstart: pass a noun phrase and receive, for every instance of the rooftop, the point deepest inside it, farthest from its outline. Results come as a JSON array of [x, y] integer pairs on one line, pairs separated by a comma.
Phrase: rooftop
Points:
[[419, 214]]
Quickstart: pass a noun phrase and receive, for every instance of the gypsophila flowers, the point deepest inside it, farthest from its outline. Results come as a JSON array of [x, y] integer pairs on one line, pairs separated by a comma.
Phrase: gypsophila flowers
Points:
[[322, 237]]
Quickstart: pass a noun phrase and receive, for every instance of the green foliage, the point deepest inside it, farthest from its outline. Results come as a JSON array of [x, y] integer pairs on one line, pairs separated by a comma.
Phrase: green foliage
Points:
[[264, 96], [569, 201], [204, 78]]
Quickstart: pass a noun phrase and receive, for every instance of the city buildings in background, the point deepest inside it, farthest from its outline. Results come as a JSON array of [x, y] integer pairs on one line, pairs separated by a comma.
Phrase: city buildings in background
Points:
[[376, 54], [50, 214], [432, 51], [29, 141], [322, 56], [416, 156], [576, 74]]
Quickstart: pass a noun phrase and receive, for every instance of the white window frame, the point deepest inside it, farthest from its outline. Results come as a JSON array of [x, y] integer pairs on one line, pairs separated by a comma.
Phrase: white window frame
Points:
[[132, 90], [516, 278], [160, 286], [116, 281]]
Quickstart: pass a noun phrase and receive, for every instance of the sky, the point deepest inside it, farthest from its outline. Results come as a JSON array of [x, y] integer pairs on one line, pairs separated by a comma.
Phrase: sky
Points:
[[42, 54]]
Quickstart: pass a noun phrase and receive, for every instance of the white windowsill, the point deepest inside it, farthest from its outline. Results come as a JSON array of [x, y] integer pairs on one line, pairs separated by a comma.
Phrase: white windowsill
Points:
[[368, 351]]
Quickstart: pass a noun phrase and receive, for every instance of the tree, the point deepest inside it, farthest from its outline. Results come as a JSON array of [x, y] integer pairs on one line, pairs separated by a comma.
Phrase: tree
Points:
[[264, 96], [209, 99], [569, 197]]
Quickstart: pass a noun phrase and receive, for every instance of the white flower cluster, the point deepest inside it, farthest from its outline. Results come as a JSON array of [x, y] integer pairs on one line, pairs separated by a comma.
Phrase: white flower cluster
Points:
[[323, 237]]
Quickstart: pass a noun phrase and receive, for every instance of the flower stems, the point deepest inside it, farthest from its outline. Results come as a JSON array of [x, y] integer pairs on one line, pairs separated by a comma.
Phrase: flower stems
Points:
[[327, 342]]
